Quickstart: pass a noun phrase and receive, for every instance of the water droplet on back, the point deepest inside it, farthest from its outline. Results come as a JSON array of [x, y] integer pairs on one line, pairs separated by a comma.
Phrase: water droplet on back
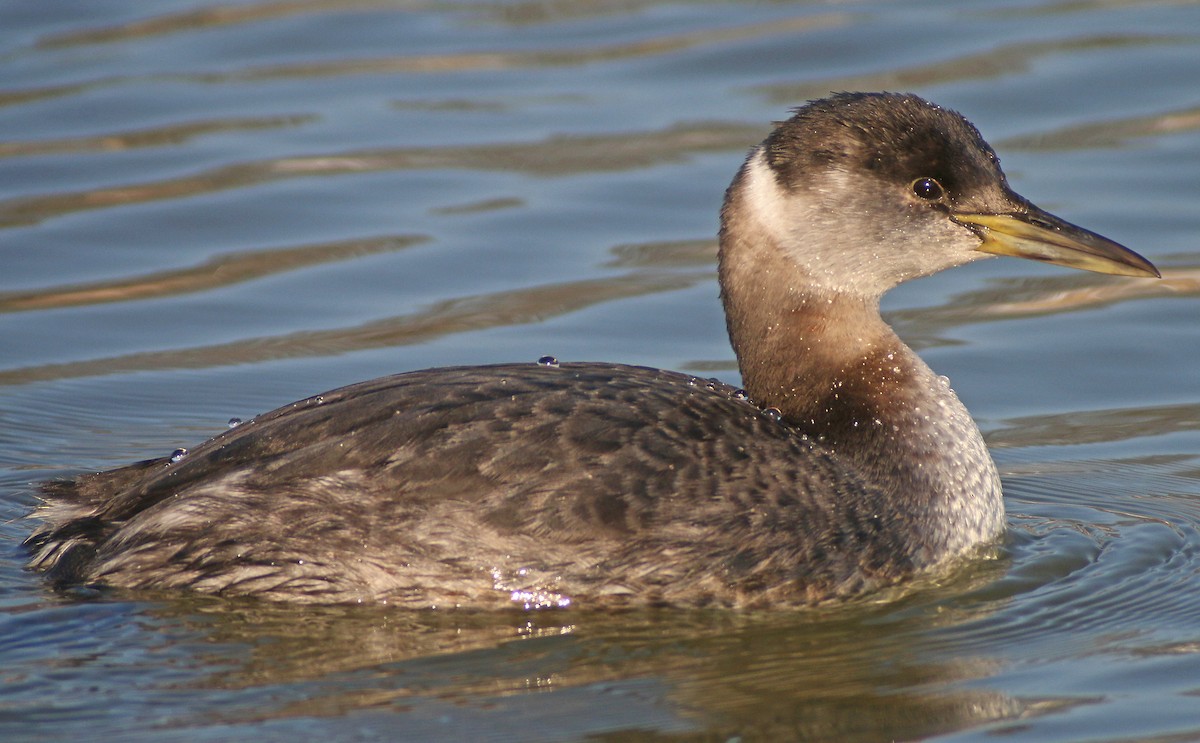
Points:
[[773, 413], [178, 454], [548, 361], [235, 422]]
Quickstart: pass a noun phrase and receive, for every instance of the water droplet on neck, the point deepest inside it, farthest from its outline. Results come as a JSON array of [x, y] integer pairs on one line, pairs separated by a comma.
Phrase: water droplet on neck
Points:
[[235, 422], [773, 413], [178, 454]]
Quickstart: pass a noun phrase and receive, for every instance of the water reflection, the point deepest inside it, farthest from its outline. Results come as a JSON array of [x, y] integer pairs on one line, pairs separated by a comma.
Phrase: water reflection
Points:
[[1114, 133], [503, 59], [854, 671], [218, 272], [162, 136], [554, 156], [499, 309], [1012, 299], [1005, 60], [1095, 426]]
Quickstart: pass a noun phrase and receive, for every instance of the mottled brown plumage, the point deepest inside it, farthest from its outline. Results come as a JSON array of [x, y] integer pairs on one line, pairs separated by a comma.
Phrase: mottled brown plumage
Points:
[[603, 484]]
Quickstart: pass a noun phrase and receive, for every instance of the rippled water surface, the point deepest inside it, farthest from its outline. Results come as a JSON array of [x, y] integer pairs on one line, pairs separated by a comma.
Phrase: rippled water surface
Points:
[[208, 210]]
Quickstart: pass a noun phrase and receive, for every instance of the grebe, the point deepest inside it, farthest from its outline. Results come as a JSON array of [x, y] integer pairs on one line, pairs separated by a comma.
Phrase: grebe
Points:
[[852, 465]]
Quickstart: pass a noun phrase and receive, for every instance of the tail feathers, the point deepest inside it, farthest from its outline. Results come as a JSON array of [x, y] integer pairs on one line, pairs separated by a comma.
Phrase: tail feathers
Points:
[[77, 518]]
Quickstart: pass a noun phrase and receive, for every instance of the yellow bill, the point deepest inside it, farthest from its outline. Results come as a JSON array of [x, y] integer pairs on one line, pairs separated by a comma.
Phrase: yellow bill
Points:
[[1041, 236]]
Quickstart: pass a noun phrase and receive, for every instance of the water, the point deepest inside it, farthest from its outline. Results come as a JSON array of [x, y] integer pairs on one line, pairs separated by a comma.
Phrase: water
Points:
[[208, 210]]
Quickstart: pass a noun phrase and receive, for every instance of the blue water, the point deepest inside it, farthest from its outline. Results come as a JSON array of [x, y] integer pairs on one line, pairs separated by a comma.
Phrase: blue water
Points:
[[208, 210]]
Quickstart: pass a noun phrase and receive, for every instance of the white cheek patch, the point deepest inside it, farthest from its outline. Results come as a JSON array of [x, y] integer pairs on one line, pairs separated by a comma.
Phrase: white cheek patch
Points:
[[765, 200], [834, 233], [798, 224]]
